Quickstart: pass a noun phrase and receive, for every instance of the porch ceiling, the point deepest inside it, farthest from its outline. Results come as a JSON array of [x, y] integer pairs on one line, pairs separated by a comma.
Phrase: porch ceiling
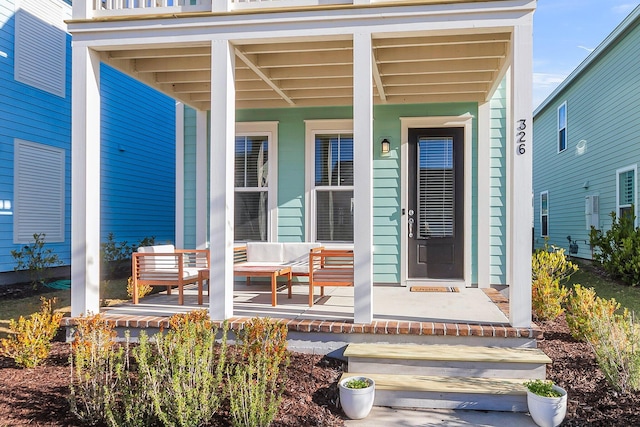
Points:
[[271, 74]]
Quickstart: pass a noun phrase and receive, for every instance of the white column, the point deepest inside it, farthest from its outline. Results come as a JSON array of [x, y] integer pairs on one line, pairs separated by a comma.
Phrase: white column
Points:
[[179, 175], [363, 178], [221, 179], [484, 195], [201, 180], [85, 182], [519, 150]]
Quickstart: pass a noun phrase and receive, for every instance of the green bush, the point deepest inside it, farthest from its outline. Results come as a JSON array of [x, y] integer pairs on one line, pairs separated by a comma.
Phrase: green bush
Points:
[[182, 371], [618, 250], [97, 366], [549, 267], [256, 383], [36, 259], [617, 349]]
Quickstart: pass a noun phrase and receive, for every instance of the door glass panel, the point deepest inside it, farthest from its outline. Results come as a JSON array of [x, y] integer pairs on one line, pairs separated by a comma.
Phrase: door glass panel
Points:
[[435, 187]]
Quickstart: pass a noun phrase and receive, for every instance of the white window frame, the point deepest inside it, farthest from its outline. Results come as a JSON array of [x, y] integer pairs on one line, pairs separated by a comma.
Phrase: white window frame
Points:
[[313, 128], [559, 128], [620, 171], [270, 130], [38, 199], [544, 194]]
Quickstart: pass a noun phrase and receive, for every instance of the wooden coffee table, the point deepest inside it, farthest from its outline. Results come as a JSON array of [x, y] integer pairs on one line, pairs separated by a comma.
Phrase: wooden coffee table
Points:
[[250, 271], [274, 272]]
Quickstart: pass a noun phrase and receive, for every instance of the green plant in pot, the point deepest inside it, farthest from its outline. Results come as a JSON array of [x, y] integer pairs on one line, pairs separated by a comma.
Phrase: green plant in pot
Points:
[[356, 396], [547, 402]]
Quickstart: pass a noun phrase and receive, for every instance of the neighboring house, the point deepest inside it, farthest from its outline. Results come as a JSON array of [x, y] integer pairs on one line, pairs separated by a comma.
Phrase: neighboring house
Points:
[[587, 144], [136, 131], [399, 128]]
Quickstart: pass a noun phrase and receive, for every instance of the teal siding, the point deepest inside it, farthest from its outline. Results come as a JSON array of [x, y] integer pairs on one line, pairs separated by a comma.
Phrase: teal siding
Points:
[[498, 186], [602, 108], [386, 174]]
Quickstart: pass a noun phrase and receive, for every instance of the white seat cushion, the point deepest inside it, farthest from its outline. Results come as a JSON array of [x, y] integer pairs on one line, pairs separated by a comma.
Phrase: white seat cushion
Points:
[[158, 262], [264, 252]]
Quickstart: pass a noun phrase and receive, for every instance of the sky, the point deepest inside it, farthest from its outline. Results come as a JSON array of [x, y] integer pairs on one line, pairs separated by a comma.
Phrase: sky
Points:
[[565, 32]]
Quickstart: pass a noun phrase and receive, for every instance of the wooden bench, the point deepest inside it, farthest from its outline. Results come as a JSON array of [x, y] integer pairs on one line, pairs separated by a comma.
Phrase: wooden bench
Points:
[[329, 267], [163, 265]]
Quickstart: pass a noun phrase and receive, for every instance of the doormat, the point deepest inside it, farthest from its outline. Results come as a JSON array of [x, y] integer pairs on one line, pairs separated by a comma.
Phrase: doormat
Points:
[[434, 289]]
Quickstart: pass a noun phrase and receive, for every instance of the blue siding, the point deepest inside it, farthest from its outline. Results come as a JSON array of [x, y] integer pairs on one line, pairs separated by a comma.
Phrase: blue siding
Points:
[[602, 109], [138, 184], [138, 160]]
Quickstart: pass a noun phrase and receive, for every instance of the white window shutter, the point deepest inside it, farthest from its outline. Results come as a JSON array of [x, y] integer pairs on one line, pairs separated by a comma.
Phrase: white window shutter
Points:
[[40, 45], [39, 192]]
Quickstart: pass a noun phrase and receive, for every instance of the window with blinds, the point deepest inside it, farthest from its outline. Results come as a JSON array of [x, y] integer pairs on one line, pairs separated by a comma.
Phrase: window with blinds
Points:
[[38, 186], [251, 188], [562, 127], [626, 190], [333, 177], [436, 183]]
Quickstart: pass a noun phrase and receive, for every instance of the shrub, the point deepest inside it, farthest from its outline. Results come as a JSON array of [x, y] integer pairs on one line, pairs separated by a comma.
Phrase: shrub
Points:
[[30, 339], [549, 268], [97, 366], [617, 349], [618, 250], [257, 381], [182, 371], [143, 290], [36, 259], [583, 306]]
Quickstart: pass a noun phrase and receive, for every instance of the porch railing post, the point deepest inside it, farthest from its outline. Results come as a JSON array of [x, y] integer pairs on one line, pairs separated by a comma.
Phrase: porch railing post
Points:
[[363, 178]]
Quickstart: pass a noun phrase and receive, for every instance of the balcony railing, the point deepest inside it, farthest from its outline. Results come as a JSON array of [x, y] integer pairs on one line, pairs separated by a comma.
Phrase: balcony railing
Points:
[[102, 8]]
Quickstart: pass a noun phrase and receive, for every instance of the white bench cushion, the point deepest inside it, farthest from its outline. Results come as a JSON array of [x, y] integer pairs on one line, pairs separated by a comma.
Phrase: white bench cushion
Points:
[[267, 252]]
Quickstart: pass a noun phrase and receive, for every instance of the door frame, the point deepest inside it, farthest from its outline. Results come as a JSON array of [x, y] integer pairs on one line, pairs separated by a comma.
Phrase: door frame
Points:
[[464, 121]]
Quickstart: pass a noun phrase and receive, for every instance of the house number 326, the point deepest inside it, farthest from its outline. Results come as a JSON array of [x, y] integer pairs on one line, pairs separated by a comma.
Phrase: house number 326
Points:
[[521, 136]]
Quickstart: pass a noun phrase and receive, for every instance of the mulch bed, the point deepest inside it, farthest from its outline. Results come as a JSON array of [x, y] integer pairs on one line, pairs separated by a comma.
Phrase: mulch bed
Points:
[[38, 397]]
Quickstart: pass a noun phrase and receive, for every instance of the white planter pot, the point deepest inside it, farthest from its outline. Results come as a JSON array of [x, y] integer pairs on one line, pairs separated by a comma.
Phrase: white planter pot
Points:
[[548, 411], [356, 402]]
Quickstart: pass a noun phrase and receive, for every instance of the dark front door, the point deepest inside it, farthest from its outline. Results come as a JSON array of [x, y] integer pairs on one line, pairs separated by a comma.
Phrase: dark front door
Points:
[[435, 212]]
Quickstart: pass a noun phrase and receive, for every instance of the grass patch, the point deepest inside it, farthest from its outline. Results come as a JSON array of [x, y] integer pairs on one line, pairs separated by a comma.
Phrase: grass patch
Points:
[[627, 296], [111, 292]]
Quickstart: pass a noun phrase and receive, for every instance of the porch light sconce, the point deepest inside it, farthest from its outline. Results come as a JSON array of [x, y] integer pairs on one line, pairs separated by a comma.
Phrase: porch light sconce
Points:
[[385, 146]]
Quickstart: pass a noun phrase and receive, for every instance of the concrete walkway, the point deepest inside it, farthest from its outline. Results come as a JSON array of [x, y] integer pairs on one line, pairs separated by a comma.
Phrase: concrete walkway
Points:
[[389, 417]]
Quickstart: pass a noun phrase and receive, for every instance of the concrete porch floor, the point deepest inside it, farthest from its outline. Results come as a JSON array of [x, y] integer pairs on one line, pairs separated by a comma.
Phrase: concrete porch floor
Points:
[[471, 316], [390, 303]]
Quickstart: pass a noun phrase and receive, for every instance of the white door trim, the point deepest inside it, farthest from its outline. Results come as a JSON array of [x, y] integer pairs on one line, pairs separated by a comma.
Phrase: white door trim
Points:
[[465, 121]]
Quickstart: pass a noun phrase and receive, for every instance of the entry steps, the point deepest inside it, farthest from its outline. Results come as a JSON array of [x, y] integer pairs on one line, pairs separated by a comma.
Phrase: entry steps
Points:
[[448, 376]]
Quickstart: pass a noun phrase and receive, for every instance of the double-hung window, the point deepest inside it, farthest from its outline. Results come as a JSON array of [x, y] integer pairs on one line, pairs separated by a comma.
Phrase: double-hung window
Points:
[[255, 182], [626, 190], [544, 214], [330, 163], [562, 127]]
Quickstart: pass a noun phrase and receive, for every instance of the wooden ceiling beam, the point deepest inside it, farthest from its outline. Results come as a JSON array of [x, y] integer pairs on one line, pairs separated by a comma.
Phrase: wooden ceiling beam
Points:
[[258, 70]]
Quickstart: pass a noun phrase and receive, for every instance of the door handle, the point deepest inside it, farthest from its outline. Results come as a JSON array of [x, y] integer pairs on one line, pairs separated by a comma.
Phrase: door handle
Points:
[[411, 221]]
